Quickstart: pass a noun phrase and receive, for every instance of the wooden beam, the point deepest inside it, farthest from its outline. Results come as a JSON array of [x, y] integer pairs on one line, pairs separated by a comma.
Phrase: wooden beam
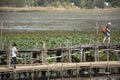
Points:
[[58, 66]]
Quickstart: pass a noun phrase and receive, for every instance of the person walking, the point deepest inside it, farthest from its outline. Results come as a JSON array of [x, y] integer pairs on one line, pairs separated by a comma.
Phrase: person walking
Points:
[[107, 33], [14, 55]]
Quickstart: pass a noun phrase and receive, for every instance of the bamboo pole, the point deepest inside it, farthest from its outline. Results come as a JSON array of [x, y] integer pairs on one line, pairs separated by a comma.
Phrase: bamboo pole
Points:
[[33, 73], [81, 53], [97, 32], [25, 59], [90, 71], [1, 34], [69, 53], [96, 46], [48, 72], [62, 66], [77, 72], [9, 55], [95, 49], [108, 55], [44, 53], [84, 56]]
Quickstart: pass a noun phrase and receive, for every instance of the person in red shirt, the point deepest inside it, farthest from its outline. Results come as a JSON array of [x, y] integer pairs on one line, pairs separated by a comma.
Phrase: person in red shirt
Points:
[[107, 33]]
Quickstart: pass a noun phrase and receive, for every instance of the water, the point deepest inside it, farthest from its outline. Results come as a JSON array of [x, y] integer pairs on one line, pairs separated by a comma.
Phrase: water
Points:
[[80, 20]]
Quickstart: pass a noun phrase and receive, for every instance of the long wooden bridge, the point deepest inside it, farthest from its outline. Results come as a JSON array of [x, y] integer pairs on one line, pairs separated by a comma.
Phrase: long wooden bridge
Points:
[[60, 65]]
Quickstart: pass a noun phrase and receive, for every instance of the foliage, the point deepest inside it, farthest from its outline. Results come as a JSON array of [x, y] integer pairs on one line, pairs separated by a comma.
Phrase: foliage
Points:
[[99, 3], [58, 3], [115, 3], [27, 40]]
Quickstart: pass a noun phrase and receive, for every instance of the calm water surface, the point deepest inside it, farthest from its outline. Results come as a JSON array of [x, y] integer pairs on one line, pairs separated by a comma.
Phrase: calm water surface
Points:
[[81, 20]]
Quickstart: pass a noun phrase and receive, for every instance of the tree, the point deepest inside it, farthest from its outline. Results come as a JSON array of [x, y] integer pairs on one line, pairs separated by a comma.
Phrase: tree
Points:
[[57, 3], [90, 4], [115, 3], [83, 4], [99, 3]]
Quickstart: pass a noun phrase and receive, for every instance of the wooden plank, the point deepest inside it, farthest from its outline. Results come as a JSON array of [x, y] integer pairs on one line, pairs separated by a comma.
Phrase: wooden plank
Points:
[[57, 66]]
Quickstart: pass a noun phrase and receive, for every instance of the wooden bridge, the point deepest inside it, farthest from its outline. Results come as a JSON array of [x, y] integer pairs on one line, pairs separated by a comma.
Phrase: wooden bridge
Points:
[[70, 49], [60, 65]]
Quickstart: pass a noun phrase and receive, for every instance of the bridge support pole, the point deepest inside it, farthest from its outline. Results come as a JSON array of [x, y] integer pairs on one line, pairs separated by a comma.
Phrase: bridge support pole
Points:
[[77, 71], [1, 45], [9, 55], [81, 53], [96, 52], [44, 53], [69, 54], [108, 56]]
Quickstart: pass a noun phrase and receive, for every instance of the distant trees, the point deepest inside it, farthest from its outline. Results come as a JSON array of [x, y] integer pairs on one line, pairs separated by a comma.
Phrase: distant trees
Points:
[[99, 3], [115, 3], [13, 3], [58, 3]]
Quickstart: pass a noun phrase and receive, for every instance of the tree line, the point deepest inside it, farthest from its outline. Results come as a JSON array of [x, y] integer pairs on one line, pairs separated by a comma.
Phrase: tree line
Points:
[[63, 3]]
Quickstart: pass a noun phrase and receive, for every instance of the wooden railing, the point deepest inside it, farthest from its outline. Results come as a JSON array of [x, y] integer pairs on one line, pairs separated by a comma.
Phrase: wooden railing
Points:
[[70, 49]]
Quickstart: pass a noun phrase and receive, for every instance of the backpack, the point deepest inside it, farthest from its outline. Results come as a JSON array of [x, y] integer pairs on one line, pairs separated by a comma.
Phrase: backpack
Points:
[[103, 29]]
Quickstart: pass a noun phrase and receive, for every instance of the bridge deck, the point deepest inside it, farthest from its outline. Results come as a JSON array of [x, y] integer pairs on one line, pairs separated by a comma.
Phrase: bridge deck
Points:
[[59, 66]]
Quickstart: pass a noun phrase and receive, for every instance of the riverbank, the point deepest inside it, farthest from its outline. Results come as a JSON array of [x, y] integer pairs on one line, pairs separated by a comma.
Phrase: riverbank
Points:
[[47, 9]]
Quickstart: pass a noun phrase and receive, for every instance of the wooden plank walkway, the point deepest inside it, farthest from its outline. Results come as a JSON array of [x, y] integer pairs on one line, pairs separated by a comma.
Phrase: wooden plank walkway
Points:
[[59, 66]]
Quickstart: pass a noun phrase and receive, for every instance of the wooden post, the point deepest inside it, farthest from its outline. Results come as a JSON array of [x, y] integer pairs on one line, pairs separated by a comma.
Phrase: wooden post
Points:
[[96, 52], [62, 65], [9, 55], [81, 53], [1, 35], [62, 72], [44, 53], [84, 56], [108, 55], [25, 59], [98, 55], [33, 73], [90, 70], [77, 72], [48, 72], [97, 32], [69, 53]]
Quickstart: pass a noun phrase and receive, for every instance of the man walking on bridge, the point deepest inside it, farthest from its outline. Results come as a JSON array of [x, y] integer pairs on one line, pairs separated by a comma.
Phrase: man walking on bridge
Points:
[[106, 32], [14, 55]]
